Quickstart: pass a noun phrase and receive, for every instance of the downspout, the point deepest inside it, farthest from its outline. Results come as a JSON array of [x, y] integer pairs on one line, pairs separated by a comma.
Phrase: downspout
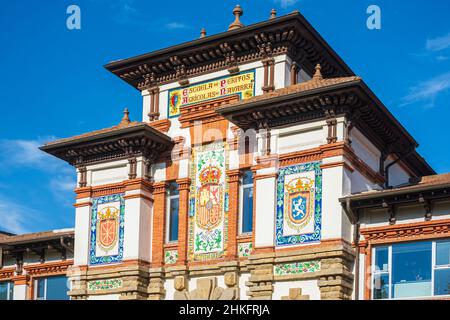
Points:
[[355, 222]]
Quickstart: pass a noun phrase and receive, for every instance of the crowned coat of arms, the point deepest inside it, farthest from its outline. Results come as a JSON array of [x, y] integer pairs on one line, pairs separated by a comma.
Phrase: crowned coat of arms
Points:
[[299, 202], [209, 210], [108, 227]]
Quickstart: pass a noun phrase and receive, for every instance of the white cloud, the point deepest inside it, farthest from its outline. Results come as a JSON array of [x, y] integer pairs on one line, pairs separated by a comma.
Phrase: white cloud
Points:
[[61, 186], [439, 43], [26, 153], [286, 3], [17, 218], [427, 91], [175, 25]]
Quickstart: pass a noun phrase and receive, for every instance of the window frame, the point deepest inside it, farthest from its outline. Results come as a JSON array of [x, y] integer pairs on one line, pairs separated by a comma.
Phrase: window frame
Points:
[[243, 186], [434, 267], [167, 213], [9, 290]]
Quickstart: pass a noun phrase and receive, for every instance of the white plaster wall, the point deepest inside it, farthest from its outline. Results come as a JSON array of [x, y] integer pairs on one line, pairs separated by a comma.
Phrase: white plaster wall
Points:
[[106, 173], [137, 235], [81, 249], [265, 212], [397, 175], [309, 287], [300, 140], [159, 172], [405, 214], [365, 150], [20, 292], [332, 213]]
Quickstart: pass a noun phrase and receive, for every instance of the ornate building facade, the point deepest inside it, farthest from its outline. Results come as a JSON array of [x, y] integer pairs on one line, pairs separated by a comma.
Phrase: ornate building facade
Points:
[[263, 168]]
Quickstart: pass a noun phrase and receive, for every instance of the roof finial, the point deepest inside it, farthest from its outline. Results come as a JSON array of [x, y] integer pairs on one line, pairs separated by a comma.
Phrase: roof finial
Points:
[[238, 12], [203, 33], [273, 14], [125, 120], [318, 73]]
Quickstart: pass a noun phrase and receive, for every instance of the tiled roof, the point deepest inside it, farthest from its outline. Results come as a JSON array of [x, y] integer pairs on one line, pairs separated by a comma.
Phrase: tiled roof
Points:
[[316, 82], [96, 132], [36, 237]]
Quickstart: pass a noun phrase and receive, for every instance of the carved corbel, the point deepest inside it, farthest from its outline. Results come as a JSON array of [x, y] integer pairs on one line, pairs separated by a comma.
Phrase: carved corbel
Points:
[[331, 121], [132, 174], [180, 71], [83, 177], [392, 212], [266, 54], [427, 205], [264, 129], [230, 58]]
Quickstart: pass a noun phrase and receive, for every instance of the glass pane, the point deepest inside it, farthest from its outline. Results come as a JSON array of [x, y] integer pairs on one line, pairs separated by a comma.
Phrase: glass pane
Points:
[[173, 189], [443, 253], [411, 270], [381, 259], [3, 290], [442, 281], [173, 227], [247, 177], [381, 286], [40, 290], [57, 288], [247, 214]]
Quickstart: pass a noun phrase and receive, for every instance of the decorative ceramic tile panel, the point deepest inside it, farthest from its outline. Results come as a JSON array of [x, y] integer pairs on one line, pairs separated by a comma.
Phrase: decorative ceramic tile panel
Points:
[[296, 268], [244, 249], [208, 210], [107, 229], [242, 84], [299, 204], [106, 284], [170, 256]]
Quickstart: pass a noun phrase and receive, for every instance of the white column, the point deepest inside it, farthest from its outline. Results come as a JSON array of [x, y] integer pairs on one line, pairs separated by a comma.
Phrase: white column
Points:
[[82, 227], [137, 229], [265, 208]]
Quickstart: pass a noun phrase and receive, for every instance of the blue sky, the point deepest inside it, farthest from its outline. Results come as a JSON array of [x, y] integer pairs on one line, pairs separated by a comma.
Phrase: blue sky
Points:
[[53, 83]]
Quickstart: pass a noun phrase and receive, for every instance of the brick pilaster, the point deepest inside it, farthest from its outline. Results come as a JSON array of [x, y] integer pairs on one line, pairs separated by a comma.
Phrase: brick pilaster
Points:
[[159, 217], [183, 187], [233, 212]]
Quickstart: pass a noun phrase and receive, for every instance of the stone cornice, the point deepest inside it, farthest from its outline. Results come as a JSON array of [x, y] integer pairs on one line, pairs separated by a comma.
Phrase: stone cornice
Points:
[[110, 145], [290, 34]]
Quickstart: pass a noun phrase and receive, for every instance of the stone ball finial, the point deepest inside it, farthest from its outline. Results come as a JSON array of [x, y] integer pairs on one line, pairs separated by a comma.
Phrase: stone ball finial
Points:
[[236, 24], [273, 14], [203, 33], [125, 119], [318, 73]]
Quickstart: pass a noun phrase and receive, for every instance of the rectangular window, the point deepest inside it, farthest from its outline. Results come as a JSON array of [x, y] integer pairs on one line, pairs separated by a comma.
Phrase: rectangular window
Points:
[[51, 288], [411, 270], [6, 290], [173, 200], [246, 205]]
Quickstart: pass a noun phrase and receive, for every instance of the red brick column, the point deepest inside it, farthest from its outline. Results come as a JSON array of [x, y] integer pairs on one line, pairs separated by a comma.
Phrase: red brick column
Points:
[[233, 212], [183, 214], [159, 217]]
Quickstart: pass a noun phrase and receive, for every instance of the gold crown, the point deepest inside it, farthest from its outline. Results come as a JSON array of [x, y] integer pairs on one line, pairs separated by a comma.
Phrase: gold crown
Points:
[[300, 184], [108, 213], [210, 175]]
